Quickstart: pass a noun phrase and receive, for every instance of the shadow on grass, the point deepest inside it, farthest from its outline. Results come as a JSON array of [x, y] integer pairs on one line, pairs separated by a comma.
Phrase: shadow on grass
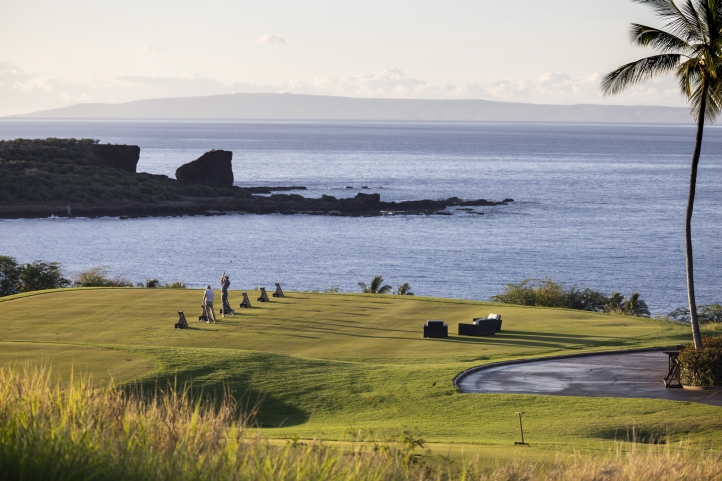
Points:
[[635, 434], [212, 383], [558, 342]]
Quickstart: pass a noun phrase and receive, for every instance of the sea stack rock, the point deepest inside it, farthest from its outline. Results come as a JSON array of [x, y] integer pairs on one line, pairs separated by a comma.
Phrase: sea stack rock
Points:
[[212, 168], [123, 157]]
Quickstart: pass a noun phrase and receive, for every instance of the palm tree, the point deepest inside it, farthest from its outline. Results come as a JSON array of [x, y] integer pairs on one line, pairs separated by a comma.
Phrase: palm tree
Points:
[[404, 290], [375, 287], [691, 48], [615, 304], [636, 306]]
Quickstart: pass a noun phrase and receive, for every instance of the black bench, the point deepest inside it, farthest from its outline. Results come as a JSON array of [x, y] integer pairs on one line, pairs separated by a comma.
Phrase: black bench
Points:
[[481, 326], [436, 329], [494, 317]]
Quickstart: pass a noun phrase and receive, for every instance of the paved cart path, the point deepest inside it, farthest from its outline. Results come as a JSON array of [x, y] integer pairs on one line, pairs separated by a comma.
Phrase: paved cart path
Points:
[[628, 375]]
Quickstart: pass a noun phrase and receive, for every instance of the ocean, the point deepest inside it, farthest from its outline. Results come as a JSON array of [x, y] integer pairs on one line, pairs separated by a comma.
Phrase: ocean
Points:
[[600, 206]]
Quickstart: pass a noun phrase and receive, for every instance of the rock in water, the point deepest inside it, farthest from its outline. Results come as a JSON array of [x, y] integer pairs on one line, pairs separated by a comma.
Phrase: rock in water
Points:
[[372, 200], [123, 157], [212, 168]]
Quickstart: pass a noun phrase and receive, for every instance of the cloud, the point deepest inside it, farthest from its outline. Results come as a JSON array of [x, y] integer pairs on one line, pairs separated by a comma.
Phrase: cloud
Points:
[[7, 67], [389, 83], [269, 39], [555, 88], [151, 48]]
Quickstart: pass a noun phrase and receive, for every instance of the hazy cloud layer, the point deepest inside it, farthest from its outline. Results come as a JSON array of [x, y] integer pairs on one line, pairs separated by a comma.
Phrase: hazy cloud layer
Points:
[[549, 88], [269, 39], [22, 92], [150, 48]]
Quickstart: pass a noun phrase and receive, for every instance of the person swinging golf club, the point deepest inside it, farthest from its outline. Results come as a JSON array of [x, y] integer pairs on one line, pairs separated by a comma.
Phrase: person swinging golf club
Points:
[[226, 306], [208, 298]]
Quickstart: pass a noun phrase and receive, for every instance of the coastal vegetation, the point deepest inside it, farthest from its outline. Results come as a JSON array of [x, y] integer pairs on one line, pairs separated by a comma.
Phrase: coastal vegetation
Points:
[[691, 49], [404, 290], [706, 314], [376, 286], [547, 293], [33, 276], [40, 275], [99, 276], [634, 306]]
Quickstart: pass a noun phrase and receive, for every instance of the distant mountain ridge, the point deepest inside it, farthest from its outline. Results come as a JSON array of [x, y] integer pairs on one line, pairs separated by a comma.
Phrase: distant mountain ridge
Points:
[[268, 106]]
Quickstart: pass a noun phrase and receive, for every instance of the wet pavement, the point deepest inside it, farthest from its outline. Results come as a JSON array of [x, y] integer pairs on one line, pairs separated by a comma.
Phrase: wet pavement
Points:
[[627, 375]]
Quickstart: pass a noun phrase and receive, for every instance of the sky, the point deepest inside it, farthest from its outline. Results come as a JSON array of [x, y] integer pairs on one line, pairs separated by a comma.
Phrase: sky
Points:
[[54, 54]]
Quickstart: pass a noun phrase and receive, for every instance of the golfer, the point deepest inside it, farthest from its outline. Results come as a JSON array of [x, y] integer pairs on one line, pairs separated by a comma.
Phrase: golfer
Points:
[[225, 284], [208, 298]]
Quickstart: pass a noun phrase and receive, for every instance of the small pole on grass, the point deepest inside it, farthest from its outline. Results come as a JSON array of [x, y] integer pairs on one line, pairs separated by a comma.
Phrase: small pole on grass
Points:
[[521, 430]]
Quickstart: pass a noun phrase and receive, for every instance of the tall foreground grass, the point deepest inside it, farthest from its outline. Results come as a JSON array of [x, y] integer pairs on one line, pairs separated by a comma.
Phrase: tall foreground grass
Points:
[[79, 432]]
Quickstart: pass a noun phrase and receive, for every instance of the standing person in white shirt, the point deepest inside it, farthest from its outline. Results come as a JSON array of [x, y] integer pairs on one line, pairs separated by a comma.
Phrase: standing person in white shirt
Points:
[[208, 298]]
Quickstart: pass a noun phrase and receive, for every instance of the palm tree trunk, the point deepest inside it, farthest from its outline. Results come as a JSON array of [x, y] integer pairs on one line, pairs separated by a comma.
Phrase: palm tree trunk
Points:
[[696, 335]]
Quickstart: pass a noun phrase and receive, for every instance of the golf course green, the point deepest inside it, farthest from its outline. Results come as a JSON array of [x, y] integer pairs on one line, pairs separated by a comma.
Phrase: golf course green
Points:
[[325, 365]]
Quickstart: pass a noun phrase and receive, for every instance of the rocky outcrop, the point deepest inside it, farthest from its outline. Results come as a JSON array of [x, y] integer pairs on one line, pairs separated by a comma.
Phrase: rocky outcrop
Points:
[[361, 205], [123, 157], [213, 169]]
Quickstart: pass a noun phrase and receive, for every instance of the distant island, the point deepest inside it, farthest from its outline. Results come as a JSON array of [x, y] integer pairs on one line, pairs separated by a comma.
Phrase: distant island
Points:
[[69, 178], [268, 106]]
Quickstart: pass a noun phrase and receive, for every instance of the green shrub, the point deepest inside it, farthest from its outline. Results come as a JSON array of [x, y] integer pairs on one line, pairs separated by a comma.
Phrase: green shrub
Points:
[[98, 277], [702, 367], [547, 293], [706, 314], [10, 273], [39, 275]]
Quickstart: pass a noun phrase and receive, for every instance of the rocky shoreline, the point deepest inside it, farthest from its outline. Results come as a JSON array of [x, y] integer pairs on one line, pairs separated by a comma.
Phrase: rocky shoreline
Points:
[[363, 205], [82, 178]]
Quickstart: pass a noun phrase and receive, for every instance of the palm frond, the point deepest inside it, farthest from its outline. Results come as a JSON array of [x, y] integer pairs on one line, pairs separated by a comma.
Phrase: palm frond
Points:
[[636, 306], [698, 23], [385, 289], [657, 39], [364, 287], [690, 79], [376, 284], [678, 21], [637, 72], [714, 101]]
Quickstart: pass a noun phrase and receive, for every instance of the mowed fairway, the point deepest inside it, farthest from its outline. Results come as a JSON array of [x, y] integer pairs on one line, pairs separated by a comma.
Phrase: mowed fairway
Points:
[[329, 363]]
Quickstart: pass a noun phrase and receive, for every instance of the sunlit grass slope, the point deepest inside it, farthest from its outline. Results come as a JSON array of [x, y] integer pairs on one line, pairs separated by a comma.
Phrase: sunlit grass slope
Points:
[[327, 363]]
